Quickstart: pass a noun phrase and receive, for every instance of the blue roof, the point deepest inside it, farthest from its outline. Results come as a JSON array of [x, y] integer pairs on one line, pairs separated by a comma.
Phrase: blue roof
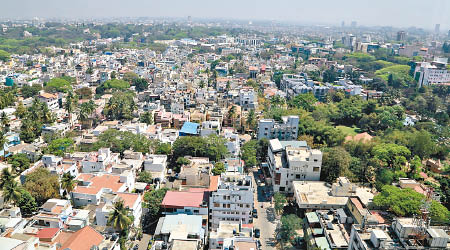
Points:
[[189, 128]]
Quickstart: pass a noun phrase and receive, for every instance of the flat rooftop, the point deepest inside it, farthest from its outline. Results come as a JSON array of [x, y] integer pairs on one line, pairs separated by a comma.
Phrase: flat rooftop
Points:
[[316, 193]]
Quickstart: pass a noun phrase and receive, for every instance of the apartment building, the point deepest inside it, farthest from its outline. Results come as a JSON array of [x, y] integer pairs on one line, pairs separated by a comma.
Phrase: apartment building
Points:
[[292, 161], [248, 99], [435, 72], [233, 200], [286, 130]]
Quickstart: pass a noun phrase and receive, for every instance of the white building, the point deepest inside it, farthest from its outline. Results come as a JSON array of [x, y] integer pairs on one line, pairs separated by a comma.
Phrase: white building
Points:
[[156, 165], [210, 127], [286, 131], [233, 200], [132, 201], [50, 99], [100, 161], [292, 161], [248, 99], [432, 73]]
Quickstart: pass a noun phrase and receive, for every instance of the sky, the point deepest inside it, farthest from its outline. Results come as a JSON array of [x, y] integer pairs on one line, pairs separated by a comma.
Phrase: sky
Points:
[[398, 13]]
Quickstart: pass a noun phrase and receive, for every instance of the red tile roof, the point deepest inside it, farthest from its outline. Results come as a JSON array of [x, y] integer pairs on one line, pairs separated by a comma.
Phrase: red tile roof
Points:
[[83, 239], [182, 199], [47, 233], [98, 182], [129, 199], [213, 183]]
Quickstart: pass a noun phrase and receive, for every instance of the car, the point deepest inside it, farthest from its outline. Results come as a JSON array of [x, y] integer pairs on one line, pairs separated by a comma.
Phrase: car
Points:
[[257, 232], [169, 171], [255, 213], [136, 247]]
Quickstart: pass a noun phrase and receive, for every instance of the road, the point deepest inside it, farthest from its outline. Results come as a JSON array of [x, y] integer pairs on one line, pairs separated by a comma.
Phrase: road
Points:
[[266, 220]]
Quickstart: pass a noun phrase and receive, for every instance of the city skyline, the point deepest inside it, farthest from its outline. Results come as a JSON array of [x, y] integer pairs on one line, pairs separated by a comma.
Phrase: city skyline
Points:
[[394, 13]]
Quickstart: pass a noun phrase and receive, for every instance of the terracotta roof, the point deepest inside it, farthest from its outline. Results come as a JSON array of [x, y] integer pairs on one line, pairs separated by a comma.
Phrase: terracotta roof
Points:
[[48, 96], [47, 233], [129, 199], [213, 183], [83, 239], [183, 199], [98, 182]]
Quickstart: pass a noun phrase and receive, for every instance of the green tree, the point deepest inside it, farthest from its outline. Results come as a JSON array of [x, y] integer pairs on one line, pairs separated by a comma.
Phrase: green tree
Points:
[[153, 200], [120, 106], [19, 162], [248, 153], [86, 110], [140, 84], [84, 93], [118, 217], [289, 225], [70, 104], [11, 192], [304, 101], [68, 183], [4, 56], [279, 200], [219, 168], [391, 155], [58, 85], [6, 177], [421, 144], [60, 146], [145, 176], [146, 117], [335, 163], [26, 203], [130, 76], [42, 185], [251, 120], [163, 149], [30, 91]]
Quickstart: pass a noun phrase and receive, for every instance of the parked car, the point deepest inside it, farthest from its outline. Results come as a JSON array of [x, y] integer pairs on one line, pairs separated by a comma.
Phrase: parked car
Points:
[[255, 213], [257, 233]]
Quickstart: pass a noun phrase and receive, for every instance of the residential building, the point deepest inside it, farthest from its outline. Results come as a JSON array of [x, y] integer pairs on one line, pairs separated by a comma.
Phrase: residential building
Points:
[[287, 130], [435, 72], [292, 161], [233, 200]]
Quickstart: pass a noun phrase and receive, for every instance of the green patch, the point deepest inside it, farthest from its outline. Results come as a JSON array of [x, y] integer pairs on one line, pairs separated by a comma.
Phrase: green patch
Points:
[[348, 130]]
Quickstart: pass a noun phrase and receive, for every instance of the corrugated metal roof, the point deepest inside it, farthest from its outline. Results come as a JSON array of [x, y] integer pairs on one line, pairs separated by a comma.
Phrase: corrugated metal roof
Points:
[[189, 128]]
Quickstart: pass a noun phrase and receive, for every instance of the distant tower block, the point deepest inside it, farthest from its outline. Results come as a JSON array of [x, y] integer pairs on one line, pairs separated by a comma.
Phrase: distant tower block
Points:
[[343, 24], [189, 19], [401, 36], [437, 28], [354, 24]]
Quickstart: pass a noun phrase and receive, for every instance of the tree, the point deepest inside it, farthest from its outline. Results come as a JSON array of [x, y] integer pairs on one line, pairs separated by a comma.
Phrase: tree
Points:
[[68, 183], [3, 140], [119, 141], [84, 93], [335, 162], [421, 144], [391, 155], [248, 153], [11, 192], [304, 101], [58, 85], [289, 225], [251, 120], [145, 176], [70, 104], [42, 185], [20, 110], [60, 146], [27, 203], [407, 202], [219, 168], [120, 106], [19, 162], [147, 118], [4, 56], [6, 177], [86, 110], [279, 200], [140, 84], [130, 76], [153, 200], [112, 85], [118, 217], [30, 91], [163, 149]]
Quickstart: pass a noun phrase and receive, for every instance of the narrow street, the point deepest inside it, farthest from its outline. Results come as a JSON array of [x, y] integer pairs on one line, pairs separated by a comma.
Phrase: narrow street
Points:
[[266, 220]]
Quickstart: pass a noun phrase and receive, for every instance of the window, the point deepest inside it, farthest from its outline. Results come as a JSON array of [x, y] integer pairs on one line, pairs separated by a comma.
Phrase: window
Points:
[[316, 169], [297, 176], [196, 211], [315, 160]]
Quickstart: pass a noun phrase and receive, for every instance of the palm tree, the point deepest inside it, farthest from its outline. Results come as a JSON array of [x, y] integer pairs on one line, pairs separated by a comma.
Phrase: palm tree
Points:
[[68, 182], [3, 140], [11, 192], [69, 105], [6, 177], [5, 121], [118, 218]]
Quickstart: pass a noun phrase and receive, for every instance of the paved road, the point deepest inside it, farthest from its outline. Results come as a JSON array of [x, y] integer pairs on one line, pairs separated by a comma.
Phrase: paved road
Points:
[[266, 220]]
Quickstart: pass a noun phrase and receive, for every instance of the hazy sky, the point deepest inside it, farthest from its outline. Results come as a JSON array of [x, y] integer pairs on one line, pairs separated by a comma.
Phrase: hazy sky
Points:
[[401, 13]]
